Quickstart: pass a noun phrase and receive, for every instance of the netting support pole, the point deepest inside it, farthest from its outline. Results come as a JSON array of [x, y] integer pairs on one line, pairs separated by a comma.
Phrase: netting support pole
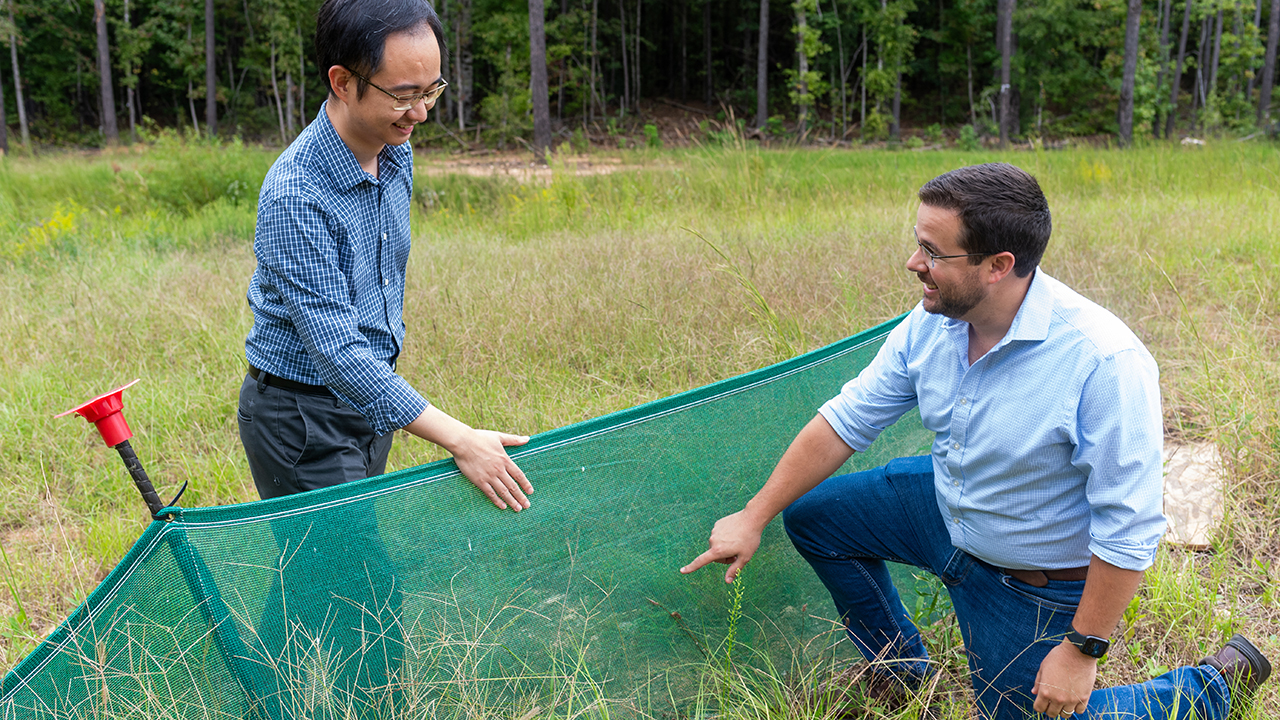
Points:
[[140, 478]]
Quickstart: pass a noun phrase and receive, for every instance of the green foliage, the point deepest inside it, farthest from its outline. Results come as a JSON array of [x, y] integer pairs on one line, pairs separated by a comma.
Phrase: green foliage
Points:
[[934, 133], [968, 138], [652, 139], [508, 110], [876, 126]]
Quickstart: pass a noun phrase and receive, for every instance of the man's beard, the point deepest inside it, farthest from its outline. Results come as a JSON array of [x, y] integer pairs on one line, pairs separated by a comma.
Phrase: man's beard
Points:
[[957, 301]]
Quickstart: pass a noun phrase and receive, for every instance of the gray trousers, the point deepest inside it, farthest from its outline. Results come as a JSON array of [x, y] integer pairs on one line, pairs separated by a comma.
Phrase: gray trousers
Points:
[[297, 442]]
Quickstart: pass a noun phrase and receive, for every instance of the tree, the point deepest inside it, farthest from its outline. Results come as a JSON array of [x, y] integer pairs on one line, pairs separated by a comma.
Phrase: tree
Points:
[[109, 129], [1269, 67], [1004, 42], [17, 79], [806, 83], [1176, 81], [762, 68], [1131, 27], [210, 73], [1166, 8], [538, 78]]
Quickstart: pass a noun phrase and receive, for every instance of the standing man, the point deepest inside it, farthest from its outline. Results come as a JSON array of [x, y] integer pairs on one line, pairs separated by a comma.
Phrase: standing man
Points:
[[1039, 507], [321, 401]]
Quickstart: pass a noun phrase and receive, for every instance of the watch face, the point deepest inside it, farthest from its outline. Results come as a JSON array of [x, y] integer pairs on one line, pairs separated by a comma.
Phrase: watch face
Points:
[[1094, 647]]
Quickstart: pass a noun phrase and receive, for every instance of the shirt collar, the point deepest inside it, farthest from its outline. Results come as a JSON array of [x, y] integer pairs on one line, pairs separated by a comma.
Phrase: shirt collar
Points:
[[343, 166], [1034, 315]]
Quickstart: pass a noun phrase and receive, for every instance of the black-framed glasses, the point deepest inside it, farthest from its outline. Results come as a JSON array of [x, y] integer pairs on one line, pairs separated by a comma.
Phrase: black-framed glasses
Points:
[[933, 259], [404, 102]]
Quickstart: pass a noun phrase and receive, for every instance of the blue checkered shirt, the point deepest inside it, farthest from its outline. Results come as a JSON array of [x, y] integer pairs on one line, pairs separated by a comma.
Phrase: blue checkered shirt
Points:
[[1047, 449], [327, 296]]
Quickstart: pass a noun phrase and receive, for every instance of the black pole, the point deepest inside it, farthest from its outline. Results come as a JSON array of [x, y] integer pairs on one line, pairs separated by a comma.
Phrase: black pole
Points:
[[140, 478]]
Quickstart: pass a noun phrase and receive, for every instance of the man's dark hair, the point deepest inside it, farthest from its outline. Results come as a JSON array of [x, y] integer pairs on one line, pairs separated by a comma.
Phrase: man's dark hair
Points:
[[353, 33], [1001, 209]]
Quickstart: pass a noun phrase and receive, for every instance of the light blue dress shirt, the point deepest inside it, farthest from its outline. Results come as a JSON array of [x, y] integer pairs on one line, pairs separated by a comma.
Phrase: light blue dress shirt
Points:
[[1047, 448], [332, 243]]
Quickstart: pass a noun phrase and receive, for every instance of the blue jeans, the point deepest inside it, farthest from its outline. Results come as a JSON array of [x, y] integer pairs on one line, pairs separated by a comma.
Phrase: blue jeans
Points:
[[847, 528]]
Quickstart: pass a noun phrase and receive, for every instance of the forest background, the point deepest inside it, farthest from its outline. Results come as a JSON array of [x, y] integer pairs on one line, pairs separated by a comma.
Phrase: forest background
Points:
[[88, 73]]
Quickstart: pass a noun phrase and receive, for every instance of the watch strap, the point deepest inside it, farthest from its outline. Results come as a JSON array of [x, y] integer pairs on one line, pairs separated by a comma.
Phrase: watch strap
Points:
[[1091, 645]]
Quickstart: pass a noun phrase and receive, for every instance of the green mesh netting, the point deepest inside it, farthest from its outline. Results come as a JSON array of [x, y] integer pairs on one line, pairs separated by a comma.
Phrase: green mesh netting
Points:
[[409, 595]]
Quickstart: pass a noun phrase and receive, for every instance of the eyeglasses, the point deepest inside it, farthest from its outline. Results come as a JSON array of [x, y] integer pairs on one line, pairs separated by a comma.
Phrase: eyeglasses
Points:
[[933, 259], [405, 102]]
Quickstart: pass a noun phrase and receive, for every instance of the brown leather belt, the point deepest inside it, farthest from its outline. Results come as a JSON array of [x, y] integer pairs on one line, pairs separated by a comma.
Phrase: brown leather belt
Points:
[[276, 381], [1040, 578]]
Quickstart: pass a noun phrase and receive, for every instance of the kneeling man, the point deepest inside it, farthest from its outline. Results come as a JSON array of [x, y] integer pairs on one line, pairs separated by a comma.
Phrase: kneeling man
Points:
[[1039, 506]]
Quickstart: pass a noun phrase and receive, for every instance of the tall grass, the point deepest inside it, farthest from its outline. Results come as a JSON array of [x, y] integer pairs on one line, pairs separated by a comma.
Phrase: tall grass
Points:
[[533, 305]]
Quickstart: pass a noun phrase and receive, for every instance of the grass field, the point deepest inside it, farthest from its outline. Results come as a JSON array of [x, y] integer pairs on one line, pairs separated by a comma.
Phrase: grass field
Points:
[[531, 306]]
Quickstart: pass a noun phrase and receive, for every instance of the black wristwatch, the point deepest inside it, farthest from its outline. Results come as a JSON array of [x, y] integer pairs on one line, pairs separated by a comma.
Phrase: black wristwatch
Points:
[[1094, 647]]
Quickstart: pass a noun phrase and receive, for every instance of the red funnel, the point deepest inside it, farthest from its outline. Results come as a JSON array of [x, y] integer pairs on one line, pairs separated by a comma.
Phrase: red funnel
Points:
[[105, 413]]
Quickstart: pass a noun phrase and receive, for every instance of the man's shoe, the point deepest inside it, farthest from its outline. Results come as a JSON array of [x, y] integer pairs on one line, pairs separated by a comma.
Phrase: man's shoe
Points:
[[1241, 664]]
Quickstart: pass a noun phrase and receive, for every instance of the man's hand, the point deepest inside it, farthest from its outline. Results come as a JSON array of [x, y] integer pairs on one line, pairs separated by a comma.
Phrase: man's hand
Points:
[[483, 460], [734, 539], [481, 456], [1064, 681]]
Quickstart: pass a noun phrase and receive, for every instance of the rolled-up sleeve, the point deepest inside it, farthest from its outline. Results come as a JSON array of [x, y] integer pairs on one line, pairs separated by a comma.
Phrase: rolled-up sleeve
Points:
[[881, 394], [1120, 433]]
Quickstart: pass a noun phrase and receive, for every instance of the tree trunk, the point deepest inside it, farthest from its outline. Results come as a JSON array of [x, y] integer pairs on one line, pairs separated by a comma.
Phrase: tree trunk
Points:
[[290, 112], [1131, 28], [708, 88], [1004, 43], [108, 96], [1165, 12], [802, 87], [844, 76], [1175, 82], [1217, 56], [626, 69], [1257, 22], [684, 50], [210, 72], [973, 112], [762, 67], [1197, 85], [4, 125], [17, 80], [895, 121], [635, 59], [862, 116], [1269, 67], [463, 62], [595, 60], [538, 80], [191, 105], [128, 88], [275, 91], [303, 120]]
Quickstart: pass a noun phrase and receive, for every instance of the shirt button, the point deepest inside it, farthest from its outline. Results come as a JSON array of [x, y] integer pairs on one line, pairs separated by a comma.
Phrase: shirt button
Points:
[[955, 446], [384, 236], [964, 400], [956, 483], [386, 282], [955, 520]]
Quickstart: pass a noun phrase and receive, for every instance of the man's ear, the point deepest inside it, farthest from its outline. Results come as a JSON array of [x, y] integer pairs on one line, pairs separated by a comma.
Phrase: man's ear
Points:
[[1001, 265], [342, 83]]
